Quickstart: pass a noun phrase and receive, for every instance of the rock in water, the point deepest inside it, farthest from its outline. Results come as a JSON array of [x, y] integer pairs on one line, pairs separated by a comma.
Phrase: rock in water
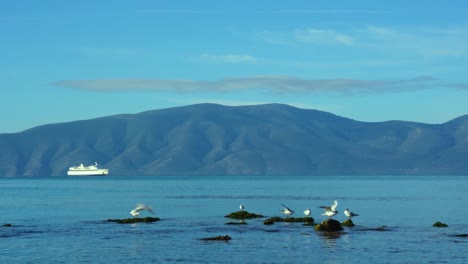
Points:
[[439, 224], [240, 215], [305, 220], [134, 220], [218, 238], [236, 223], [329, 225], [348, 222]]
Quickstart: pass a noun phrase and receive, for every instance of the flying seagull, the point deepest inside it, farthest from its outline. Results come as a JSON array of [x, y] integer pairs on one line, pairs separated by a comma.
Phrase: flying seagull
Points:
[[139, 207], [307, 212], [330, 211], [287, 211], [349, 214]]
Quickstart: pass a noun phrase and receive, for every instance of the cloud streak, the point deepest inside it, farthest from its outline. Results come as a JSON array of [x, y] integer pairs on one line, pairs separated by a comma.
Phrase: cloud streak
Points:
[[324, 37], [109, 51], [260, 12], [275, 84], [229, 58], [392, 42]]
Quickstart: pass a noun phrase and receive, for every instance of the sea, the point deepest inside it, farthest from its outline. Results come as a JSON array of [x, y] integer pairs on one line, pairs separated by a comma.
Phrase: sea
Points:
[[63, 219]]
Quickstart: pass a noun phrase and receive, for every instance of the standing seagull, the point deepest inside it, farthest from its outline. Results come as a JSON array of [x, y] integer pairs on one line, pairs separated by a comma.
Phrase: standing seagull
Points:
[[287, 211], [307, 212], [139, 207], [330, 211], [349, 214], [241, 207]]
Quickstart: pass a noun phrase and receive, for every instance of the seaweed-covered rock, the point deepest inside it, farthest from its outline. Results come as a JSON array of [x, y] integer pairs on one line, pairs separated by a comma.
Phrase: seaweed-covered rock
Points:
[[273, 220], [329, 225], [217, 238], [348, 222], [306, 220], [240, 215], [134, 220], [439, 224]]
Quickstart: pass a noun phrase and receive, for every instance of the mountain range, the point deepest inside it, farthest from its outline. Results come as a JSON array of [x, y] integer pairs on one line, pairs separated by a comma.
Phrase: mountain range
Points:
[[211, 139]]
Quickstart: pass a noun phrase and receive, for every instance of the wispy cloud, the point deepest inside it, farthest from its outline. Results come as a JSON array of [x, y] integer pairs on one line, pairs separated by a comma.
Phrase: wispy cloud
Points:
[[320, 36], [109, 51], [414, 42], [275, 84], [228, 58], [33, 19], [260, 12], [382, 32], [463, 86], [423, 41]]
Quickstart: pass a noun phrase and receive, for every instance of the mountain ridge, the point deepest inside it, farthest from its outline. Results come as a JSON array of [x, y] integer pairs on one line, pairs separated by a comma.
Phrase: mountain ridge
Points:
[[212, 139]]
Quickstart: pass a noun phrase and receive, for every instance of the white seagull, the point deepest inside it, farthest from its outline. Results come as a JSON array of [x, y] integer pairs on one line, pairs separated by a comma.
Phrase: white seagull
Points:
[[330, 211], [307, 212], [349, 214], [287, 211], [241, 207], [139, 207]]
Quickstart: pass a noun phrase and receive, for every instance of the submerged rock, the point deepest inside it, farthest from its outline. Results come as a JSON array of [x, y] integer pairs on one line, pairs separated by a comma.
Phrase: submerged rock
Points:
[[305, 220], [461, 235], [236, 223], [439, 224], [243, 215], [217, 238], [348, 222], [329, 225], [134, 220], [332, 235], [381, 229], [7, 225]]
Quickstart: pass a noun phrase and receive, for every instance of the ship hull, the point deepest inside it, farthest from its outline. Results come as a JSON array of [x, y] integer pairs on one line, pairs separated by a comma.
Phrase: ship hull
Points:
[[102, 172]]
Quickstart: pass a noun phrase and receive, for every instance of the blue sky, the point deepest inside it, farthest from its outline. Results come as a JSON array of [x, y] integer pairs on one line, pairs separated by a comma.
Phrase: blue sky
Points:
[[367, 60]]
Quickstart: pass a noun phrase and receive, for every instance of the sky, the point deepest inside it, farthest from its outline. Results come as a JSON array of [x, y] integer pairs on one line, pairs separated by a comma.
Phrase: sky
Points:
[[370, 60]]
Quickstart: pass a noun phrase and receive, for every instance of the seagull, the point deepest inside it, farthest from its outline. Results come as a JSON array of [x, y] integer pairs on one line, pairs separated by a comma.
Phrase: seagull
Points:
[[349, 214], [307, 212], [287, 211], [330, 211], [241, 207], [139, 207]]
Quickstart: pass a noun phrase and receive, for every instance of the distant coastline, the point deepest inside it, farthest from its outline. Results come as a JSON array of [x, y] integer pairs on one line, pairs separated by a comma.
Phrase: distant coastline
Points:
[[210, 139]]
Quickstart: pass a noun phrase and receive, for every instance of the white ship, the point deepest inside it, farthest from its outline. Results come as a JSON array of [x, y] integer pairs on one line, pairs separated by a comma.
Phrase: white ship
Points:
[[91, 170]]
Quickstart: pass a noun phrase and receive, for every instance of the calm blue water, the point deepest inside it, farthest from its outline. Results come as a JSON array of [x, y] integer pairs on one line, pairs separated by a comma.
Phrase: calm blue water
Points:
[[61, 220]]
